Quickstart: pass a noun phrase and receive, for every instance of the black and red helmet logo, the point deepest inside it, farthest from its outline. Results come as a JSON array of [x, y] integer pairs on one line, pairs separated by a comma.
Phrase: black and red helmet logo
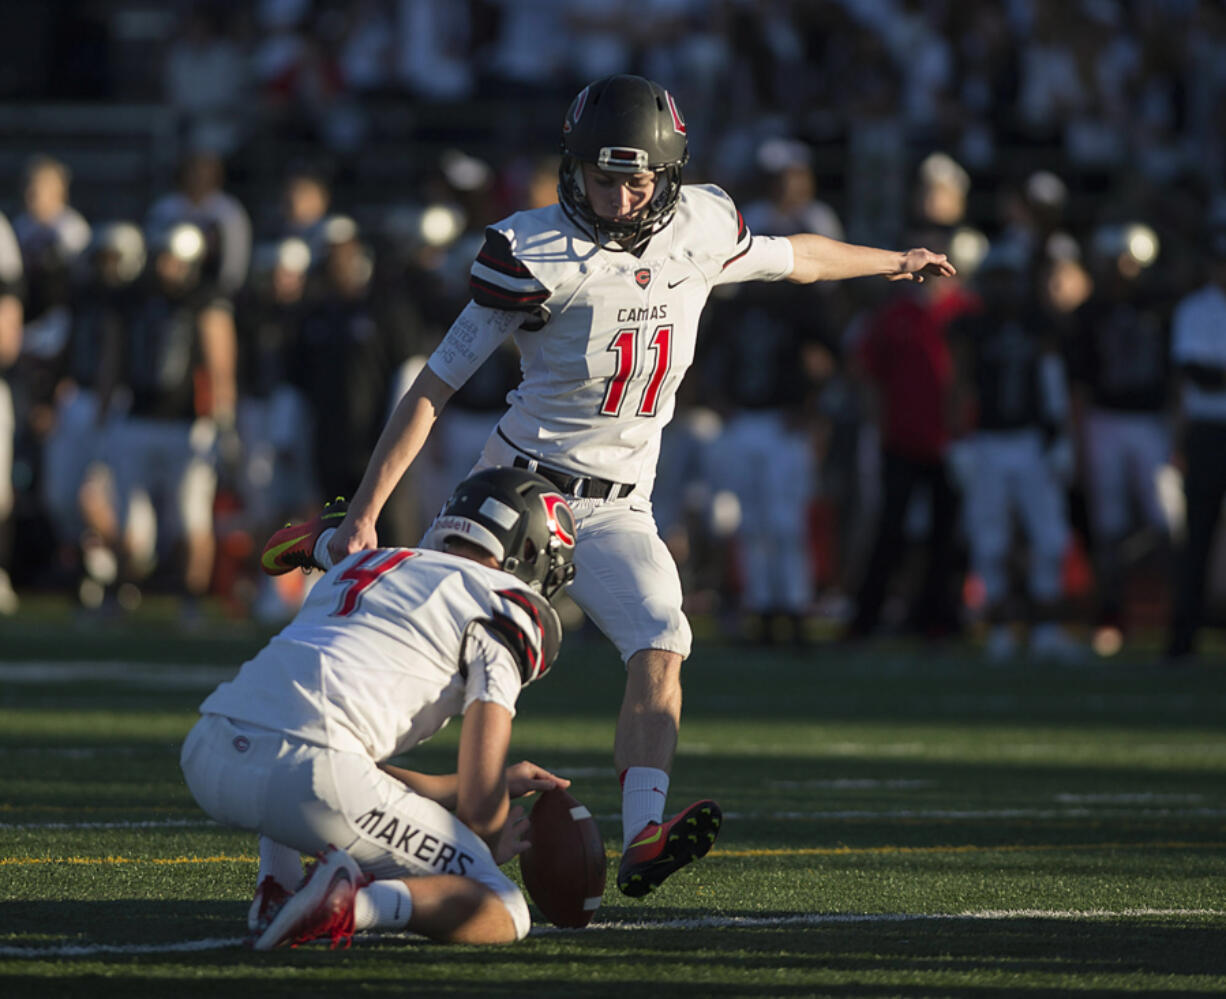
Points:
[[576, 110], [642, 277], [678, 121], [561, 518]]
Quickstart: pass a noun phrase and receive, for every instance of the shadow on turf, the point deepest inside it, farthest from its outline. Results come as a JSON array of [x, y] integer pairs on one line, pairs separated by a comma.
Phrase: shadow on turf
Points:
[[836, 800], [980, 944], [797, 959]]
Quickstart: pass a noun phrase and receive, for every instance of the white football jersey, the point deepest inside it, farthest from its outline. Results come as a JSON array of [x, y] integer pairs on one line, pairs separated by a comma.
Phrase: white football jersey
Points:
[[390, 644], [609, 335]]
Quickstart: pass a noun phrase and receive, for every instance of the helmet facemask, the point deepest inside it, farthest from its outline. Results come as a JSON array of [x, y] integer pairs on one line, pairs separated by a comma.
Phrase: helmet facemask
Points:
[[625, 234]]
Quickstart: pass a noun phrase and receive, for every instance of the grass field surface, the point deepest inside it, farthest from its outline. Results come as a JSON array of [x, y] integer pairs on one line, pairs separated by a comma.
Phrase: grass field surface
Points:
[[900, 821]]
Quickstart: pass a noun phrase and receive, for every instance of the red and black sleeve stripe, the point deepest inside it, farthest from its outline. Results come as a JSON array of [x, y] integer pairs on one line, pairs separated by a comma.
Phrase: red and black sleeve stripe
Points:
[[520, 291], [742, 236], [525, 647]]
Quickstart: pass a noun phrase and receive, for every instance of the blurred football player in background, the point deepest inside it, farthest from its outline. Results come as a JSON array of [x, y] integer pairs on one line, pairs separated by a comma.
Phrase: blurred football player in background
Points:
[[390, 645], [790, 203], [52, 235], [79, 456], [1198, 350], [772, 350], [10, 348], [305, 201], [1013, 462], [277, 463], [179, 359], [772, 358], [272, 410], [903, 364], [1119, 363], [350, 344], [602, 293], [901, 372], [201, 200]]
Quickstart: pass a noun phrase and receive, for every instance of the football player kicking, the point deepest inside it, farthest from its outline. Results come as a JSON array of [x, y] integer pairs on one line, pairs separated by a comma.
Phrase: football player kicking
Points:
[[602, 294], [391, 644]]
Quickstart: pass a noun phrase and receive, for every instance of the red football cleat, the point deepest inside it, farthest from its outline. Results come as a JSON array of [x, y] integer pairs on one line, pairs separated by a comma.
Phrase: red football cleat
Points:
[[293, 547], [323, 906], [269, 897], [663, 848]]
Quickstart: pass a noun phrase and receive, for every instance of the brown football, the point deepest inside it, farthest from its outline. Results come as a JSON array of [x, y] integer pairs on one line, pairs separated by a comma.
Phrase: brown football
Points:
[[564, 868]]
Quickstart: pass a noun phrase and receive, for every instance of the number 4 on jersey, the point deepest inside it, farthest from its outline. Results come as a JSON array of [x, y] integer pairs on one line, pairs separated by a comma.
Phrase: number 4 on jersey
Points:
[[626, 348], [364, 573]]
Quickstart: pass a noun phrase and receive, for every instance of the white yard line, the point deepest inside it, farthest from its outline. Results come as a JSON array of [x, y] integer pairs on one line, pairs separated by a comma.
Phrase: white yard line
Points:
[[844, 918], [155, 676], [977, 814], [851, 784], [122, 950], [801, 921], [118, 824]]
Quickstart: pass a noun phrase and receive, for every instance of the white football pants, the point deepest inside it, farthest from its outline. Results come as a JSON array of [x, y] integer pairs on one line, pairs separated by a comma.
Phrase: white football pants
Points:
[[1011, 478], [307, 797]]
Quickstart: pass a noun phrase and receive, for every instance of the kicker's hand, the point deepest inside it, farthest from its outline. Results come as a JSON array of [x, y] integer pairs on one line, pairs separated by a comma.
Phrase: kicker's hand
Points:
[[527, 778], [919, 263]]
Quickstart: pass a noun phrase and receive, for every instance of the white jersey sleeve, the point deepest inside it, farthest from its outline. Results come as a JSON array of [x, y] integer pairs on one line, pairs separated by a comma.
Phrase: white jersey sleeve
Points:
[[720, 242], [490, 670], [769, 258], [477, 332]]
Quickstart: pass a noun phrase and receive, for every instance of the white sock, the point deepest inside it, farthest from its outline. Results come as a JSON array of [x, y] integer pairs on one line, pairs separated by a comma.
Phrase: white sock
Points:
[[320, 554], [644, 792], [284, 863], [385, 905]]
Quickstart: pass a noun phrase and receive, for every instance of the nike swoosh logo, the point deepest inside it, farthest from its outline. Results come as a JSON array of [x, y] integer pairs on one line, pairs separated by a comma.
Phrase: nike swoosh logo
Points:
[[270, 557], [673, 284], [650, 839]]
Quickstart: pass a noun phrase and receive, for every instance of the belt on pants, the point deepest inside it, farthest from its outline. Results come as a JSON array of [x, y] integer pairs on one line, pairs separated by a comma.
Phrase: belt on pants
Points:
[[579, 486]]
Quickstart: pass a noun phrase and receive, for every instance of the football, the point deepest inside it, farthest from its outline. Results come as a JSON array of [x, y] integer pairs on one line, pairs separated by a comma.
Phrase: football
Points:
[[564, 868]]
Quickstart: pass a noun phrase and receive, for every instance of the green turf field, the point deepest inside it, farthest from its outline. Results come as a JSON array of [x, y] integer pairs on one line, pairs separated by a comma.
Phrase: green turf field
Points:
[[899, 822]]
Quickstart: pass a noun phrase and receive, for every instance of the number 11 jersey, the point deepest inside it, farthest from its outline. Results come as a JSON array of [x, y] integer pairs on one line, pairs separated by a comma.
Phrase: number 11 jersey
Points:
[[605, 337]]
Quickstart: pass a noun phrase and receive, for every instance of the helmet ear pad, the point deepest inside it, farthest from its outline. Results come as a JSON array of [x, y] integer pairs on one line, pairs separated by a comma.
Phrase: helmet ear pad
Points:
[[514, 564]]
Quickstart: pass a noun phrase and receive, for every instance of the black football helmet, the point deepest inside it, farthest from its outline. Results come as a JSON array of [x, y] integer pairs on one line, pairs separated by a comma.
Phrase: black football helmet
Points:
[[623, 124], [519, 518]]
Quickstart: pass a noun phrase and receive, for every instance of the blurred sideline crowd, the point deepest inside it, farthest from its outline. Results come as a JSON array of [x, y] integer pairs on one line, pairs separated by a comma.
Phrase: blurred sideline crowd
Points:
[[1032, 451]]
